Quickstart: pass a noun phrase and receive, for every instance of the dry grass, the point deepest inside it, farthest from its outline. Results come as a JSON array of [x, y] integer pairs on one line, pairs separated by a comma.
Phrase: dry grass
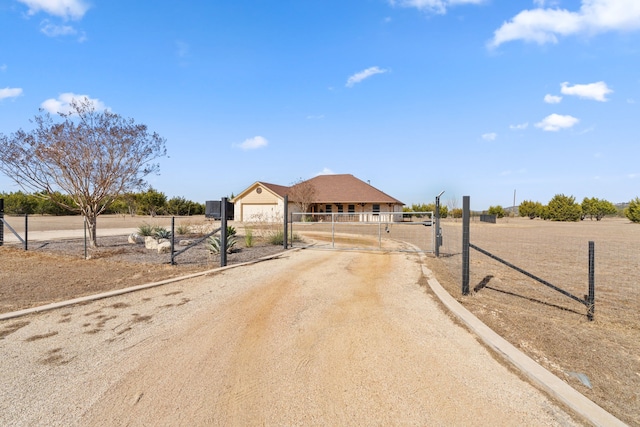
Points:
[[543, 323]]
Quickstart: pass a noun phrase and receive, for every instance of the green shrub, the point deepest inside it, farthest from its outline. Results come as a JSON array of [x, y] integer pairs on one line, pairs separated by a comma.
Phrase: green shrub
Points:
[[498, 211], [146, 230], [214, 244], [633, 210], [564, 208], [248, 237], [182, 229], [162, 233]]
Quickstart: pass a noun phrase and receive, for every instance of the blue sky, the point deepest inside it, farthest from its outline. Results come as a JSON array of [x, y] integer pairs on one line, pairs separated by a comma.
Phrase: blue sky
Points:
[[473, 97]]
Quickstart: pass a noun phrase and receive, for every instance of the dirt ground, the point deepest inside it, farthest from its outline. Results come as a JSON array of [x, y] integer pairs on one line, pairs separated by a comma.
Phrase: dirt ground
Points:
[[42, 275], [313, 337], [550, 330], [549, 327]]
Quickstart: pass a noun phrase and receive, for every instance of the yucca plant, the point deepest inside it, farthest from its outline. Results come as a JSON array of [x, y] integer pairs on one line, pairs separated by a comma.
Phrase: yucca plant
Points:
[[162, 233], [214, 243]]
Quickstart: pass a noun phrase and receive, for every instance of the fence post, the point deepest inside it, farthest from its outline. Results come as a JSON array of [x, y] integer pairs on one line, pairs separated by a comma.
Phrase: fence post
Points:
[[465, 245], [438, 230], [285, 234], [26, 231], [591, 299], [173, 233], [1, 222], [223, 232]]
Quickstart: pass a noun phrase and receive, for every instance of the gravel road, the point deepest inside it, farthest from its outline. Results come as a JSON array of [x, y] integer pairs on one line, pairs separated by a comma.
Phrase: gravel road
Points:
[[311, 338]]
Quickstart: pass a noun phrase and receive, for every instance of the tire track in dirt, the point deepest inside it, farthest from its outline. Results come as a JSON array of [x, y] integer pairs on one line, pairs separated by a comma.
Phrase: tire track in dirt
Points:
[[338, 338]]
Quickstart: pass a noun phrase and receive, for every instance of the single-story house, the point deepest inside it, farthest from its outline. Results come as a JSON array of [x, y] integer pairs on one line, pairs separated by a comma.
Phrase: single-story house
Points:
[[331, 194]]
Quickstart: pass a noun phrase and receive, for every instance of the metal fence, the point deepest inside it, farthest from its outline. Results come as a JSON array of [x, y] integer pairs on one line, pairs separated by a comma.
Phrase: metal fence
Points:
[[402, 231], [582, 259]]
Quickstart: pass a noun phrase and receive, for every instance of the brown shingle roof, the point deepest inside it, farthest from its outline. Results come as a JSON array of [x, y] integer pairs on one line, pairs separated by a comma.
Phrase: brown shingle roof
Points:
[[346, 188], [280, 190]]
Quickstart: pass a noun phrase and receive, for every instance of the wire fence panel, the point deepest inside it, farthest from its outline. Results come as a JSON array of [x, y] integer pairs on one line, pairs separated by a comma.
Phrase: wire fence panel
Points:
[[366, 230], [557, 252]]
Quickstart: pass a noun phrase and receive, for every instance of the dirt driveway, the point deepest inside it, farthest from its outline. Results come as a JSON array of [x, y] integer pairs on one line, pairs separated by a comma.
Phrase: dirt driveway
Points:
[[312, 338]]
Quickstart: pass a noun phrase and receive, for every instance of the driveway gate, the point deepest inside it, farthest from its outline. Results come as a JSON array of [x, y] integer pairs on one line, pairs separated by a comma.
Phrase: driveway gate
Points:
[[387, 231]]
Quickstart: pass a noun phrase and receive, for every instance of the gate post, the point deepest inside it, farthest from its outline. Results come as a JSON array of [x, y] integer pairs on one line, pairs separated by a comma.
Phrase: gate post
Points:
[[465, 245], [173, 234], [1, 222], [438, 230], [223, 232], [285, 234]]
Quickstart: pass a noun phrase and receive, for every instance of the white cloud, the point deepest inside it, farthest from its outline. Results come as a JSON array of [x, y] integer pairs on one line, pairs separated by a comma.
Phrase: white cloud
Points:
[[552, 99], [358, 77], [597, 91], [555, 122], [545, 25], [67, 9], [491, 136], [3, 67], [521, 126], [63, 103], [53, 30], [315, 117], [10, 92], [433, 6], [326, 171], [252, 143]]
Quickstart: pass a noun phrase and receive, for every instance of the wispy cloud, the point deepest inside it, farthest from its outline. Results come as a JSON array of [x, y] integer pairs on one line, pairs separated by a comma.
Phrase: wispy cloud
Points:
[[252, 143], [556, 122], [365, 74], [10, 92], [66, 9], [326, 171], [544, 25], [432, 6], [552, 99], [315, 117], [491, 136], [520, 126], [3, 67], [53, 30], [63, 103], [597, 91]]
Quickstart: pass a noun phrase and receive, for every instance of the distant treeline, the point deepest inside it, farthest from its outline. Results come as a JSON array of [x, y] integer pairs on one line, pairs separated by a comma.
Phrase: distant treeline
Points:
[[559, 208], [150, 202]]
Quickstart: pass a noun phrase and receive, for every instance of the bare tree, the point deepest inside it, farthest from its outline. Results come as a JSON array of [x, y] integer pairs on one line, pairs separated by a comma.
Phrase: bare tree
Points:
[[93, 156], [303, 195]]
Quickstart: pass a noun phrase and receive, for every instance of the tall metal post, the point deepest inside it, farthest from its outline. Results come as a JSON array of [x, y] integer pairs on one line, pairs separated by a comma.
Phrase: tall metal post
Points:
[[173, 233], [223, 232], [465, 244], [1, 222], [285, 237], [438, 229], [26, 231], [591, 299]]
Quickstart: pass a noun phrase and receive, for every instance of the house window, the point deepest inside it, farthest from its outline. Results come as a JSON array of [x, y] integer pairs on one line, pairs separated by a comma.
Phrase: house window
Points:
[[351, 208], [340, 209], [376, 209], [328, 209]]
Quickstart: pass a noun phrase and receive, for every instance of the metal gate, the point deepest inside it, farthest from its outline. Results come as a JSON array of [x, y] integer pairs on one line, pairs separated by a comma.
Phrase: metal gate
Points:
[[386, 231]]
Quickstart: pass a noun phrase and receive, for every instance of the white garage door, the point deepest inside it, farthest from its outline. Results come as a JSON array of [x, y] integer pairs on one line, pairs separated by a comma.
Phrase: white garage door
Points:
[[261, 213]]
